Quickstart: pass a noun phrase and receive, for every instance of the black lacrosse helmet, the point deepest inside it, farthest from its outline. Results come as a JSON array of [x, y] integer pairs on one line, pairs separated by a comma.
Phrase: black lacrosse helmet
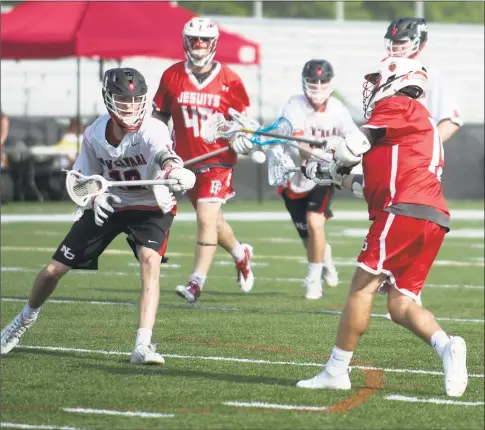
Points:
[[125, 96], [316, 78], [405, 37]]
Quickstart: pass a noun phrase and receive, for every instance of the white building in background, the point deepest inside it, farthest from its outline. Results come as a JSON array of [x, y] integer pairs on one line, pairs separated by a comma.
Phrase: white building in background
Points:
[[49, 87]]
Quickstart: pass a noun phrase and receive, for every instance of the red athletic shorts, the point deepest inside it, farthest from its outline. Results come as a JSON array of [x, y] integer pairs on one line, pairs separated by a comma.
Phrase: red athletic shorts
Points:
[[402, 247], [214, 185]]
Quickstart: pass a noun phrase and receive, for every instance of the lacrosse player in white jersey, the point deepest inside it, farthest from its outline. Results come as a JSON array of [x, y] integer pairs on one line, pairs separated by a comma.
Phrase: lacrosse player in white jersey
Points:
[[407, 37], [120, 145], [314, 114]]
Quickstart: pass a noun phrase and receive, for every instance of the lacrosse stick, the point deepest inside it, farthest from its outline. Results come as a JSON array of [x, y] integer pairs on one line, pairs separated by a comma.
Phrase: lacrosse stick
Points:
[[217, 127], [281, 168], [82, 188]]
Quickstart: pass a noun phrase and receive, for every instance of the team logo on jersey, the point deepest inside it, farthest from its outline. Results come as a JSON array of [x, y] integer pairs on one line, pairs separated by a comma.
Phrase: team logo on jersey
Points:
[[392, 67], [199, 99], [216, 187], [67, 252]]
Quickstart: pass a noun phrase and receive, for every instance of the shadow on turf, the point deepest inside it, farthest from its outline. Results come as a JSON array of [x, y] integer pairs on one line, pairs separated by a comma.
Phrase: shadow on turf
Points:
[[129, 369], [205, 293], [121, 366]]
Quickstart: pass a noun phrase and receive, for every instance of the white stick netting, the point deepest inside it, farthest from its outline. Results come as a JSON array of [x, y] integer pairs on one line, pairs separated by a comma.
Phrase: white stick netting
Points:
[[281, 168], [216, 127], [81, 188]]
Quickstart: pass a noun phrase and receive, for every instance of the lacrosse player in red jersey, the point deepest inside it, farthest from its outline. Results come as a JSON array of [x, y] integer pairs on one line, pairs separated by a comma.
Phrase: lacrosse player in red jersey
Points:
[[402, 158], [189, 93], [121, 145]]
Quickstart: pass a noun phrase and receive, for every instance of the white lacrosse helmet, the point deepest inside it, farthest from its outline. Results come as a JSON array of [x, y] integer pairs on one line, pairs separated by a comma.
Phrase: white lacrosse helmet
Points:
[[200, 41], [394, 74]]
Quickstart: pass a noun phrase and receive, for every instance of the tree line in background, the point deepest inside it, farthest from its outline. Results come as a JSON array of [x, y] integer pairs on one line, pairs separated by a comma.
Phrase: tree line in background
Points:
[[460, 12], [441, 11]]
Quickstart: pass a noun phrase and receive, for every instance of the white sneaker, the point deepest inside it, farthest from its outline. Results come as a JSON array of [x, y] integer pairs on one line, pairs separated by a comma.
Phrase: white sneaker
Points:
[[245, 277], [329, 272], [313, 288], [146, 354], [325, 380], [14, 331], [454, 364]]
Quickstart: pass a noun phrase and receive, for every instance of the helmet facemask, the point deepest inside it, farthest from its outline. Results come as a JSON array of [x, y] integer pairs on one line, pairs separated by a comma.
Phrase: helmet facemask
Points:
[[200, 50], [406, 47], [317, 90], [371, 86], [127, 111]]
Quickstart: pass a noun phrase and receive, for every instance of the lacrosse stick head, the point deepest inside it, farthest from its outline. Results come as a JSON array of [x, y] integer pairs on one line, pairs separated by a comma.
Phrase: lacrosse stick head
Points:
[[217, 127], [281, 168], [281, 126], [245, 121], [82, 188]]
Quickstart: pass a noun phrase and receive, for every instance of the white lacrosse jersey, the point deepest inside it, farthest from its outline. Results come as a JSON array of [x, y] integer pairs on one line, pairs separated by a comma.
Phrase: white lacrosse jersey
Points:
[[132, 159], [335, 120], [438, 101]]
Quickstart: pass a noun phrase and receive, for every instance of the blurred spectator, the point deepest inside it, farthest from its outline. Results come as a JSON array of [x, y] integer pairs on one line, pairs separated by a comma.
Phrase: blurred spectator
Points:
[[22, 169], [6, 183], [69, 142], [3, 137]]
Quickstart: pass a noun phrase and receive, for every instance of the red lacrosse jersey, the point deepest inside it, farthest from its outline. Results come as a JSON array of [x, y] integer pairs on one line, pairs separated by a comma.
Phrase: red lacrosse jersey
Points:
[[190, 102], [405, 165]]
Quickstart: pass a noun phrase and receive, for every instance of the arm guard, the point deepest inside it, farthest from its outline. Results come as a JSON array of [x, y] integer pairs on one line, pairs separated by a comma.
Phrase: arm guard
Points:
[[163, 156], [349, 152]]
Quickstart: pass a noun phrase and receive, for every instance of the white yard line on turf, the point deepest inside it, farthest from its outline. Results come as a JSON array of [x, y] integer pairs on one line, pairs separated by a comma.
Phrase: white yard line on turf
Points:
[[275, 406], [33, 426], [120, 413], [358, 215], [233, 359], [259, 278], [279, 258], [226, 309], [435, 401]]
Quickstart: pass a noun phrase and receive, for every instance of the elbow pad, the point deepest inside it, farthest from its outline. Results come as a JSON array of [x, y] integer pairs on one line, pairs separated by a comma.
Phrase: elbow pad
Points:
[[163, 156], [349, 152]]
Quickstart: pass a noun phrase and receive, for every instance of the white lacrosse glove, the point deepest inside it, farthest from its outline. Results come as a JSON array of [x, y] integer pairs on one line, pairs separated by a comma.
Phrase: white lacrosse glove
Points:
[[185, 177], [240, 144], [318, 170], [102, 207]]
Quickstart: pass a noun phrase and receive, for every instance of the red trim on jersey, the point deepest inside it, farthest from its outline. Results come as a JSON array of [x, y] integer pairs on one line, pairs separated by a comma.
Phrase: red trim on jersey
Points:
[[291, 194], [324, 204], [163, 248]]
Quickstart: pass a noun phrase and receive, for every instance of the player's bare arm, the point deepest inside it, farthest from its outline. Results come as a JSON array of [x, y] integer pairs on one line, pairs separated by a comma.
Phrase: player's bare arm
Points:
[[446, 129]]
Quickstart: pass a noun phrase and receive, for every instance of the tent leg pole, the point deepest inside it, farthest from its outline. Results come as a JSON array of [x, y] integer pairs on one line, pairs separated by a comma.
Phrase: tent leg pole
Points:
[[78, 108]]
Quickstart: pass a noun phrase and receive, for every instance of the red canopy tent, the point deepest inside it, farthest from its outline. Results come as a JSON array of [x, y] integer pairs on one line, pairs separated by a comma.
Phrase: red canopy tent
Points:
[[107, 30]]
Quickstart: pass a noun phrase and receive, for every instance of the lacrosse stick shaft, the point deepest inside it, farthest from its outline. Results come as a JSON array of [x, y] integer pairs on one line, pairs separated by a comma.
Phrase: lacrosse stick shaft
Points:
[[282, 137], [206, 156], [142, 182]]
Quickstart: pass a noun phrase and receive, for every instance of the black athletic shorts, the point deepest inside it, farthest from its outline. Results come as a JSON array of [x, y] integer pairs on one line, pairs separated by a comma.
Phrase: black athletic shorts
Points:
[[85, 242], [316, 200]]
